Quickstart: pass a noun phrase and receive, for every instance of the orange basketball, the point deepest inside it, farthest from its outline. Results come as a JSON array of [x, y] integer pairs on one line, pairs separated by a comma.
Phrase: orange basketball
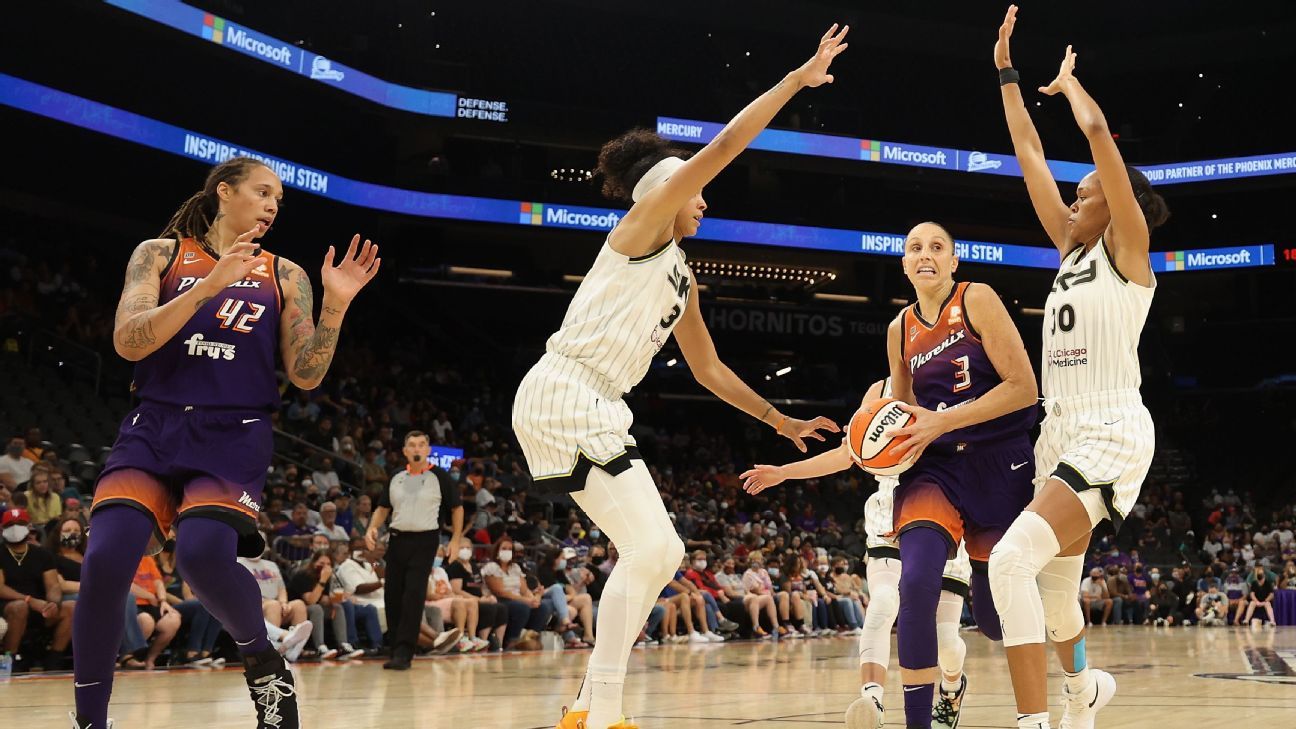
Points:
[[867, 440]]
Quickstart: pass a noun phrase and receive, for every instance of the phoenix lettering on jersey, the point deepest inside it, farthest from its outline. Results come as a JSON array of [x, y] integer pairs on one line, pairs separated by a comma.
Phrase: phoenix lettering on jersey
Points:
[[1068, 357], [200, 347], [187, 281], [1065, 281], [918, 360]]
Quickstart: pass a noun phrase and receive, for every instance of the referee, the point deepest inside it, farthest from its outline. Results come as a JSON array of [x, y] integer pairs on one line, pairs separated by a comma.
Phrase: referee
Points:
[[414, 500]]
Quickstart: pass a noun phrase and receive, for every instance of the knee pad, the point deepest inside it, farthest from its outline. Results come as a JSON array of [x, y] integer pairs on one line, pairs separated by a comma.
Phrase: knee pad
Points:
[[1059, 584], [950, 648], [879, 616], [1015, 562]]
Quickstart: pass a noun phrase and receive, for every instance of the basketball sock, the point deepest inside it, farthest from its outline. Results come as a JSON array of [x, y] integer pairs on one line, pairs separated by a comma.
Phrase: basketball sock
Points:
[[922, 552], [1033, 721], [872, 691], [582, 702], [605, 704], [1078, 682], [118, 538], [206, 553]]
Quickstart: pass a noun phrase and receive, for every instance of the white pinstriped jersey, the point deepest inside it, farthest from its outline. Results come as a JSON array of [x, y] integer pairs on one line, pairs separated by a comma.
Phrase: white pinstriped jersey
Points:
[[623, 313], [1092, 322]]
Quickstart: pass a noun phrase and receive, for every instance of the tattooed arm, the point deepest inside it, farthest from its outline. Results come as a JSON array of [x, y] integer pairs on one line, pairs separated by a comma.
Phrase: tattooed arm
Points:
[[307, 346], [141, 326]]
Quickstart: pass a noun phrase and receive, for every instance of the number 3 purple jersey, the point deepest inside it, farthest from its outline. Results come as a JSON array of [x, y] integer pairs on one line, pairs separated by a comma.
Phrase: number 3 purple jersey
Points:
[[224, 356], [950, 367]]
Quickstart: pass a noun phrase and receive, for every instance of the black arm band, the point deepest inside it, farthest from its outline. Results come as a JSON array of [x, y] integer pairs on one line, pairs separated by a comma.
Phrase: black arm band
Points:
[[1008, 76]]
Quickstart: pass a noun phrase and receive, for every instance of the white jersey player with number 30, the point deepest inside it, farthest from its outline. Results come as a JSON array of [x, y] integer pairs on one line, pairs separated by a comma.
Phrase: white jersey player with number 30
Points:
[[1097, 439], [569, 414]]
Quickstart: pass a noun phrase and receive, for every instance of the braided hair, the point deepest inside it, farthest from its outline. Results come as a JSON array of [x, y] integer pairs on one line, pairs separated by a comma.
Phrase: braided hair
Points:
[[196, 215]]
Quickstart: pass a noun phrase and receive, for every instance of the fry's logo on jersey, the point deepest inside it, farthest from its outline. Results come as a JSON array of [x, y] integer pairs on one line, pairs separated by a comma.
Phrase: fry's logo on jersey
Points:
[[918, 360], [199, 347], [188, 281], [956, 315]]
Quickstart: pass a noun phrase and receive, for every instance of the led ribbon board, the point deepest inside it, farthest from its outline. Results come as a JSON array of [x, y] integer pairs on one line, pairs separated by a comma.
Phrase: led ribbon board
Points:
[[962, 160], [91, 115], [284, 55]]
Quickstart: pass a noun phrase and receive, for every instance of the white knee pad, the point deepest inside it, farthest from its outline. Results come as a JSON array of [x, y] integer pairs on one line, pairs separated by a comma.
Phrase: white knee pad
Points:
[[1015, 561], [951, 650], [875, 639], [1059, 586]]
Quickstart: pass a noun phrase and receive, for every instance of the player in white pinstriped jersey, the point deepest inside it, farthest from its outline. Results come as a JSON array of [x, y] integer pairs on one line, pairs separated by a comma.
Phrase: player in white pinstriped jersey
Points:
[[568, 413], [1096, 443]]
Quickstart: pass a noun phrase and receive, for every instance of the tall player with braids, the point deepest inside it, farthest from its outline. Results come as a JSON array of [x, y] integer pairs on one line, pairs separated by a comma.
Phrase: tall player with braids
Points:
[[203, 314], [1096, 443], [569, 414], [867, 711]]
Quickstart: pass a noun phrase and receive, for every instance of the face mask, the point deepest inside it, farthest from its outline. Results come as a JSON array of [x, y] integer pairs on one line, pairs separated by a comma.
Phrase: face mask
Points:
[[562, 564], [320, 550], [1155, 576], [436, 562], [598, 560], [71, 541], [773, 571], [699, 564], [16, 533], [822, 568], [839, 571], [595, 534], [506, 555], [724, 505], [465, 553]]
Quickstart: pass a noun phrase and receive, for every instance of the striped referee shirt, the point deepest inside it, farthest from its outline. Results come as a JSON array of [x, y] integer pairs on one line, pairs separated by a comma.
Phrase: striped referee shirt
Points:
[[416, 499]]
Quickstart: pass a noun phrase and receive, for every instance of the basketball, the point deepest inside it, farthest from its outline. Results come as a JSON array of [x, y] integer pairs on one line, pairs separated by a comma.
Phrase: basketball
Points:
[[869, 446]]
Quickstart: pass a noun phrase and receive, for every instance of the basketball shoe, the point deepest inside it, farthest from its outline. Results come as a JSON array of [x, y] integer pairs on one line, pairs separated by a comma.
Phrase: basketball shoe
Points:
[[1079, 709], [945, 714], [864, 713], [77, 725], [270, 682]]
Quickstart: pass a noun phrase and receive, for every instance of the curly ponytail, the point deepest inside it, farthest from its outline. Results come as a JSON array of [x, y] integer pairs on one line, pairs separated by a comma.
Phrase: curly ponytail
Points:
[[195, 216], [1155, 209], [624, 160]]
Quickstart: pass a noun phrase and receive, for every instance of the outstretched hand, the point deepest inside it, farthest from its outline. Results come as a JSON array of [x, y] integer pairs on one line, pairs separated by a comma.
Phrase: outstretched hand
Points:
[[761, 477], [1003, 59], [1064, 74], [814, 72], [796, 430], [345, 280]]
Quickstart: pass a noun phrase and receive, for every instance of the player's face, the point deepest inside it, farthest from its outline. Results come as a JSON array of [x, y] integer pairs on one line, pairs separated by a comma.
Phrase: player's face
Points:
[[1089, 213], [929, 258], [689, 218], [254, 200]]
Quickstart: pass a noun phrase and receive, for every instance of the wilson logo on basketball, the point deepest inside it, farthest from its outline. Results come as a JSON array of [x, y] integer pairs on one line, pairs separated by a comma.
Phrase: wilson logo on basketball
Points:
[[881, 426]]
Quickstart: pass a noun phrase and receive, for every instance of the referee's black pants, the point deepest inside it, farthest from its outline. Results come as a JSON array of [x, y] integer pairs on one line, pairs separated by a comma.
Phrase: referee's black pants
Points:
[[409, 564]]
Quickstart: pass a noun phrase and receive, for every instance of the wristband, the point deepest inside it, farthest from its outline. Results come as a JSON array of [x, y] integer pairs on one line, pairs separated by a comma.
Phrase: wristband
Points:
[[1008, 76]]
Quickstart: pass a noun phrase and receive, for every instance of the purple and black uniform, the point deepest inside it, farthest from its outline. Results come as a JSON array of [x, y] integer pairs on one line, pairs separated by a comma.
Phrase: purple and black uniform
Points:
[[200, 441]]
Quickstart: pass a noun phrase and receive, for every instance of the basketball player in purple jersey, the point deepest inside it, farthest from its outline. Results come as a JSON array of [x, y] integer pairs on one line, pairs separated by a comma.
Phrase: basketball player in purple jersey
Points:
[[959, 362], [203, 313]]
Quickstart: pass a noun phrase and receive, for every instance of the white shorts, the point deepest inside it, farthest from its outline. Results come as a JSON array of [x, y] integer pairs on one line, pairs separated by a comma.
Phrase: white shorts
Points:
[[878, 522], [1101, 442], [568, 419]]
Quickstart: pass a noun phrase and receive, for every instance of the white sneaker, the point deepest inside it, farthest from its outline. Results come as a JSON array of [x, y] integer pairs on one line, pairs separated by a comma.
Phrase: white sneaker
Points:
[[678, 639], [326, 653], [864, 713], [348, 652], [696, 637], [294, 641], [714, 638], [480, 644], [75, 725], [1080, 709], [217, 663]]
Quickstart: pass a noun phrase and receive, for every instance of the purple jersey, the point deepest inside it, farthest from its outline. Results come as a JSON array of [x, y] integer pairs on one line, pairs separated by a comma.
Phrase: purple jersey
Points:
[[950, 367], [224, 356]]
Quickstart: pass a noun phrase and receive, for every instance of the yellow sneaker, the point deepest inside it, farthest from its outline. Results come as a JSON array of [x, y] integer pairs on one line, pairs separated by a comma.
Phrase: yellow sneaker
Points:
[[572, 719], [624, 724]]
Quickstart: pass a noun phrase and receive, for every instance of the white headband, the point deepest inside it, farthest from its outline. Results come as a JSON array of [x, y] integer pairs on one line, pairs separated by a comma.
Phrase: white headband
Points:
[[655, 176]]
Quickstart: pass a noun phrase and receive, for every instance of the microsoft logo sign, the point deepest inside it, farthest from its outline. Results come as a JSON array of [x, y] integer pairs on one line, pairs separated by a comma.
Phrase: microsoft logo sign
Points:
[[1174, 260], [531, 214], [870, 151], [213, 28]]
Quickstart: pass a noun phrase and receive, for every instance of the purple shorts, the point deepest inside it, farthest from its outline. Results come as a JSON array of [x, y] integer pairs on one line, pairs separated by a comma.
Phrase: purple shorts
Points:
[[173, 462], [973, 494]]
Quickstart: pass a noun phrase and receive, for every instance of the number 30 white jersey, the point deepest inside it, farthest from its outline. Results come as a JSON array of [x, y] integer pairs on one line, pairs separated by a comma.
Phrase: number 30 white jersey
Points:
[[1092, 322]]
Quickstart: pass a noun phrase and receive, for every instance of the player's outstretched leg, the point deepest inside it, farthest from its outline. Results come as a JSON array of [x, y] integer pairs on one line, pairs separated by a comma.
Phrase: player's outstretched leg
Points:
[[1084, 691], [206, 553], [866, 712], [951, 650]]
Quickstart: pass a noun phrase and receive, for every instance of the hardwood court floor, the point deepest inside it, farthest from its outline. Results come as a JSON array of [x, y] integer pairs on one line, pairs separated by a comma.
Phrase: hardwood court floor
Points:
[[1167, 677]]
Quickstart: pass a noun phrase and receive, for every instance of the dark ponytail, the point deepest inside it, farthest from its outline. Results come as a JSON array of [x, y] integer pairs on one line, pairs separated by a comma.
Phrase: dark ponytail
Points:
[[1154, 207], [195, 217], [623, 161]]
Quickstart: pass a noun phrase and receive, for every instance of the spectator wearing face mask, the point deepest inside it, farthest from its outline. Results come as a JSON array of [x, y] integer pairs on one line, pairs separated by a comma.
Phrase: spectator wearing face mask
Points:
[[1164, 606], [463, 611], [702, 577], [1235, 590], [1212, 608], [563, 597], [1096, 596], [30, 589], [756, 605], [466, 582], [759, 581], [1261, 594], [1122, 594], [527, 612], [1141, 586]]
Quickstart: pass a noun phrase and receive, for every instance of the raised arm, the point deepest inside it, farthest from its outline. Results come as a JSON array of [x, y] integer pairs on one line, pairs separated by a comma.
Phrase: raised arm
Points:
[[307, 347], [699, 351], [638, 233], [1129, 237], [1049, 207], [141, 326]]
